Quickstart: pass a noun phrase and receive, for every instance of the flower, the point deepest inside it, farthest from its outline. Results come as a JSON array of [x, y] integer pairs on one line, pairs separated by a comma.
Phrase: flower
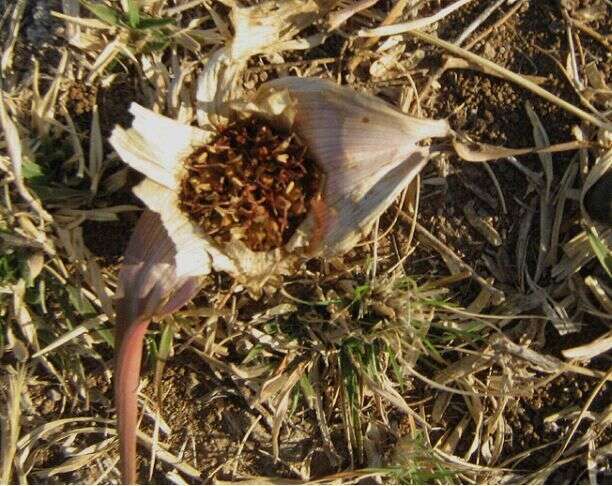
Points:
[[367, 151]]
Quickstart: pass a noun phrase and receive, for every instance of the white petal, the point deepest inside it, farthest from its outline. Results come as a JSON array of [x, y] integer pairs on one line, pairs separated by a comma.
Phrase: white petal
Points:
[[366, 148], [195, 254], [217, 83], [156, 145]]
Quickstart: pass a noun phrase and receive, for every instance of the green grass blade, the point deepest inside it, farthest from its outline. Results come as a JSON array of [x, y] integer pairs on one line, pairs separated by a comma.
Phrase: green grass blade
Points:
[[163, 353], [151, 23], [604, 255], [106, 14], [133, 14]]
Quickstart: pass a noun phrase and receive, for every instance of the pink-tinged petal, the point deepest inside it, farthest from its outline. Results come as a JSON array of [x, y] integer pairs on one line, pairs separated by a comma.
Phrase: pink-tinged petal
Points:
[[148, 275], [194, 250], [362, 209], [355, 137], [183, 293]]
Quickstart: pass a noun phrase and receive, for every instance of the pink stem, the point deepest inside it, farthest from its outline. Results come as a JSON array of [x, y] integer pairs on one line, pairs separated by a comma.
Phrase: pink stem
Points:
[[127, 369]]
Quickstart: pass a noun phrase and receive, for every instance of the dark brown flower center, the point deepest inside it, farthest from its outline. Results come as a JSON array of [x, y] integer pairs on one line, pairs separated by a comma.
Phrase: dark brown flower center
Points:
[[252, 182]]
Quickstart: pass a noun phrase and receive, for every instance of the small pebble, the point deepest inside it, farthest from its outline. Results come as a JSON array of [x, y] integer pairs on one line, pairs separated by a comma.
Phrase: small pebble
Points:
[[53, 395], [47, 407]]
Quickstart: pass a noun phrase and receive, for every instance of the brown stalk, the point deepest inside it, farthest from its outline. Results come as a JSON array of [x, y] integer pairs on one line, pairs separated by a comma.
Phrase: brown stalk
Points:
[[129, 339]]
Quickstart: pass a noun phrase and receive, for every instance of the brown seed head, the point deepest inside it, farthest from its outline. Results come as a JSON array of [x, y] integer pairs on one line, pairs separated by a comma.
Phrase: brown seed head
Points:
[[252, 182]]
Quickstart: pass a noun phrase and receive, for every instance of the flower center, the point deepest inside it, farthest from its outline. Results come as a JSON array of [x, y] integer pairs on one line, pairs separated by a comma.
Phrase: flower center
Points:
[[253, 183]]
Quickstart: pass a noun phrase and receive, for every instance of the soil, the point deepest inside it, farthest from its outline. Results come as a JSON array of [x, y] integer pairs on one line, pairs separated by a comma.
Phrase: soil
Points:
[[527, 417], [493, 111], [107, 240], [532, 424], [212, 423]]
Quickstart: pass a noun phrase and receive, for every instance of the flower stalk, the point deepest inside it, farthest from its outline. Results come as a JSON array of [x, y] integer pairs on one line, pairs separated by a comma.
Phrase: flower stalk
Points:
[[127, 366]]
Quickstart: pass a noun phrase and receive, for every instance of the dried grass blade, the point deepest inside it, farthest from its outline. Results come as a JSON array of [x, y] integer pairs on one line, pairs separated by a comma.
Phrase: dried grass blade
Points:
[[170, 459], [7, 54], [601, 292], [154, 445], [566, 184], [588, 351], [96, 151], [11, 422], [602, 165], [71, 9], [541, 140], [604, 40], [76, 462], [43, 108], [337, 18], [482, 152], [435, 243], [105, 58], [279, 416], [547, 364], [478, 22], [580, 250], [76, 143], [459, 63], [396, 11], [448, 442], [14, 147], [387, 392], [163, 353], [558, 454], [463, 367], [74, 333], [330, 450], [440, 406], [413, 24], [27, 440]]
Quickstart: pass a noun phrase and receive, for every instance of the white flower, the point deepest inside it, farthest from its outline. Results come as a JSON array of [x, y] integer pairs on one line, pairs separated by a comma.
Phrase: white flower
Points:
[[367, 151]]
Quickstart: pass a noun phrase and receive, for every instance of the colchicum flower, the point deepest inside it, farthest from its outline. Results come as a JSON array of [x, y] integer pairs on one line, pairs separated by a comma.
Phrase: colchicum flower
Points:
[[365, 153]]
